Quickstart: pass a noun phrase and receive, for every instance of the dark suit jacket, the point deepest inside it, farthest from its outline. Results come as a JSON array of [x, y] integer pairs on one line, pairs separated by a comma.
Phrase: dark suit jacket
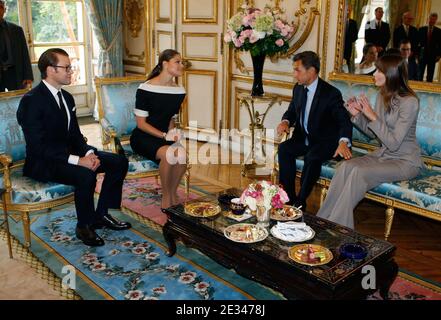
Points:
[[20, 53], [351, 35], [328, 119], [429, 52], [412, 69], [48, 141], [400, 34], [378, 37]]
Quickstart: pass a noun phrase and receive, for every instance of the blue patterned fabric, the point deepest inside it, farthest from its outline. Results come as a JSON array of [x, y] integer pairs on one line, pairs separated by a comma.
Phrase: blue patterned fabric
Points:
[[26, 190], [137, 163], [118, 103], [428, 127], [423, 191], [12, 141]]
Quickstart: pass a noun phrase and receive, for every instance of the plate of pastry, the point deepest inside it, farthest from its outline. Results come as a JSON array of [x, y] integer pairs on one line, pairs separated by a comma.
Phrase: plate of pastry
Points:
[[287, 213], [202, 209], [245, 233], [310, 254]]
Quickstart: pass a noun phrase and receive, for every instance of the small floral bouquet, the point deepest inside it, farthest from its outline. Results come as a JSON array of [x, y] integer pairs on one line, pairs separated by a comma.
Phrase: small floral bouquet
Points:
[[264, 193], [259, 31]]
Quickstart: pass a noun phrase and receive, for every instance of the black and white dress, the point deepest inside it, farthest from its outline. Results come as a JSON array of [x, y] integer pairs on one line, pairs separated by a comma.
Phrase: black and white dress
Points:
[[158, 104]]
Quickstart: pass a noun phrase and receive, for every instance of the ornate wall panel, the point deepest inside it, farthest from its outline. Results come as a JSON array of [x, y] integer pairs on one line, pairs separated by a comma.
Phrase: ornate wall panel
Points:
[[200, 46], [135, 33], [199, 11], [201, 86], [164, 40], [164, 11]]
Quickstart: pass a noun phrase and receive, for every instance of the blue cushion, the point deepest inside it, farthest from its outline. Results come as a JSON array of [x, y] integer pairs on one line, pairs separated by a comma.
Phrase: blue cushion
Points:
[[118, 104], [26, 190], [137, 163], [12, 140], [423, 191]]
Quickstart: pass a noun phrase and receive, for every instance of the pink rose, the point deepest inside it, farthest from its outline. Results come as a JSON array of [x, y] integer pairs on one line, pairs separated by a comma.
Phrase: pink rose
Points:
[[280, 42]]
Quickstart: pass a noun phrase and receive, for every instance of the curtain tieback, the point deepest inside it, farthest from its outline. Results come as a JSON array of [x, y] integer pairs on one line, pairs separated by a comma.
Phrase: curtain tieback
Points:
[[108, 63]]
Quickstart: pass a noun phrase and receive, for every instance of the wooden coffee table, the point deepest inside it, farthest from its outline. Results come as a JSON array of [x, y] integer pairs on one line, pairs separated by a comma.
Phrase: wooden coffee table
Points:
[[267, 261]]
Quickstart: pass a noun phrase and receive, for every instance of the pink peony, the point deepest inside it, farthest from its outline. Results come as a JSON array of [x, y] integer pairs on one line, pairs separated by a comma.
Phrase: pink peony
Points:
[[280, 42]]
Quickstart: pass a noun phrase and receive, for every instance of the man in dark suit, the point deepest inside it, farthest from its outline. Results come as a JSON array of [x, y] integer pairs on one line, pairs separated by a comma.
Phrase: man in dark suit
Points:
[[56, 150], [15, 65], [322, 128], [430, 47], [405, 52], [377, 32], [406, 31], [351, 35]]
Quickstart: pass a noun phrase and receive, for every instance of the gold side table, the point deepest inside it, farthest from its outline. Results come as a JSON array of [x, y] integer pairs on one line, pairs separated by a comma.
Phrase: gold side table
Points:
[[6, 223], [249, 164]]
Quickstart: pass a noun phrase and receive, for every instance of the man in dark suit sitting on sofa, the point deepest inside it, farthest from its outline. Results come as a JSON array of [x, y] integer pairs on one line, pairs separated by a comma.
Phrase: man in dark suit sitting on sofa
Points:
[[322, 130], [56, 150]]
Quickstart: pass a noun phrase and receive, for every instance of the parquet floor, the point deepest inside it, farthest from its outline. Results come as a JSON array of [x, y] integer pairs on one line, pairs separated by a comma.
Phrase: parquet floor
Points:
[[418, 239]]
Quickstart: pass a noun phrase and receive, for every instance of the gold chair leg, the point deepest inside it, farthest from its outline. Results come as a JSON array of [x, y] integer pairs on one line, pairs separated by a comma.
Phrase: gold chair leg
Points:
[[26, 228], [389, 219], [187, 182], [8, 235], [323, 194]]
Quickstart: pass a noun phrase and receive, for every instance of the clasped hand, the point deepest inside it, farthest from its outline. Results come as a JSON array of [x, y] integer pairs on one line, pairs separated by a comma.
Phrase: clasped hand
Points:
[[174, 135], [355, 106], [91, 161]]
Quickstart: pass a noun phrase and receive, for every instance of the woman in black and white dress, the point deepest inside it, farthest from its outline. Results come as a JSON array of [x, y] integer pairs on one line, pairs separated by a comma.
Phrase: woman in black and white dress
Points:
[[157, 101]]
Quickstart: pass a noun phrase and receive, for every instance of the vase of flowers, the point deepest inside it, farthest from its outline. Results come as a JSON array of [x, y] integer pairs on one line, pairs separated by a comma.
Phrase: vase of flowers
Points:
[[261, 197], [261, 32]]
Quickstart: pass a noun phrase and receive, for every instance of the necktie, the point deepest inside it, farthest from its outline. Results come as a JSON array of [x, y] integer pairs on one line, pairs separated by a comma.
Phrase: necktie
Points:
[[63, 109], [303, 105], [406, 29], [429, 35]]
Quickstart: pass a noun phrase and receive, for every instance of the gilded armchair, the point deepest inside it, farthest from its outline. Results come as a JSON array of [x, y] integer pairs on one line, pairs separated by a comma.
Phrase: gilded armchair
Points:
[[23, 195], [116, 102]]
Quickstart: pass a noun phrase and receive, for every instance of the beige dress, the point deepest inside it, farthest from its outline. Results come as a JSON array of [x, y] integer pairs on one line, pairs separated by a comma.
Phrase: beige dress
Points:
[[397, 159]]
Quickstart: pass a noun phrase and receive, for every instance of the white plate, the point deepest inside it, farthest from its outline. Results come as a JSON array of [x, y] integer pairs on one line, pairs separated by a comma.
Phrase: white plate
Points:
[[306, 238], [245, 233]]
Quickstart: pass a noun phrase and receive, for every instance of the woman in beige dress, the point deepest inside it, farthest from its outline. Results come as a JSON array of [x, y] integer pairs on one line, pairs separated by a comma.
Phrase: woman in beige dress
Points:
[[393, 123]]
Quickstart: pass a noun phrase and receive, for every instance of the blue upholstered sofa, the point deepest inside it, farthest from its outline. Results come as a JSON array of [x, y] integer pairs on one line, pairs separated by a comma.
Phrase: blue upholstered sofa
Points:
[[421, 195], [23, 195], [116, 102]]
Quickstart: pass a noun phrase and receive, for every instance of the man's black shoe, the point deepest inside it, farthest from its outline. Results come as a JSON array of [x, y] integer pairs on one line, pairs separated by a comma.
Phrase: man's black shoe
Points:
[[110, 222], [89, 237]]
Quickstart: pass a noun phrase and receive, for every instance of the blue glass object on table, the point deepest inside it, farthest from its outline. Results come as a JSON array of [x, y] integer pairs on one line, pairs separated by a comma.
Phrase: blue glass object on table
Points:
[[353, 251]]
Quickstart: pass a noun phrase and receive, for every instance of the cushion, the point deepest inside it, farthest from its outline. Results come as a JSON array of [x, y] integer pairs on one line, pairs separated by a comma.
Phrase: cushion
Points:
[[118, 103], [12, 140], [26, 190], [137, 163]]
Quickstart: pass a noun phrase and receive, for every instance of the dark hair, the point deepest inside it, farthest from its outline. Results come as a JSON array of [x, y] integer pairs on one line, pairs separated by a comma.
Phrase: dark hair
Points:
[[165, 55], [309, 59], [49, 59], [393, 51], [394, 68], [366, 48], [405, 41]]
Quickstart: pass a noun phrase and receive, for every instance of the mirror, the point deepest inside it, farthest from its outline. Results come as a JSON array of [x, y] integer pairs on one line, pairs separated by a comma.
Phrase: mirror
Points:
[[357, 26]]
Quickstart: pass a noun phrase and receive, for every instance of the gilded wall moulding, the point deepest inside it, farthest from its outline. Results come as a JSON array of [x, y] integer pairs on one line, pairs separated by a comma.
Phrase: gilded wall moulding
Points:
[[133, 12]]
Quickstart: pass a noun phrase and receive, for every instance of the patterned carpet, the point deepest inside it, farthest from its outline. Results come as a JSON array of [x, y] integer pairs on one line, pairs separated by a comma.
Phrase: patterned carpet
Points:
[[132, 264]]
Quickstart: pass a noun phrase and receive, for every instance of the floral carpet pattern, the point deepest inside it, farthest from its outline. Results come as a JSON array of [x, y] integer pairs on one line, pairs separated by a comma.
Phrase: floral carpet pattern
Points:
[[132, 264]]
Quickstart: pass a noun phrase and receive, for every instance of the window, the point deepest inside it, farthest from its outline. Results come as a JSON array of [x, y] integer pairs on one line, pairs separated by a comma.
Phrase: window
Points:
[[60, 24], [12, 11]]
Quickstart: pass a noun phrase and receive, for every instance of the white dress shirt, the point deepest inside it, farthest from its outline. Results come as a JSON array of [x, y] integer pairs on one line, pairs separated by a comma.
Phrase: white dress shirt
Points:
[[73, 159]]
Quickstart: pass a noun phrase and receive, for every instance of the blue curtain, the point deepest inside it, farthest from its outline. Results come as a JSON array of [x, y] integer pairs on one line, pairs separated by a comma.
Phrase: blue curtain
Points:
[[106, 17]]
